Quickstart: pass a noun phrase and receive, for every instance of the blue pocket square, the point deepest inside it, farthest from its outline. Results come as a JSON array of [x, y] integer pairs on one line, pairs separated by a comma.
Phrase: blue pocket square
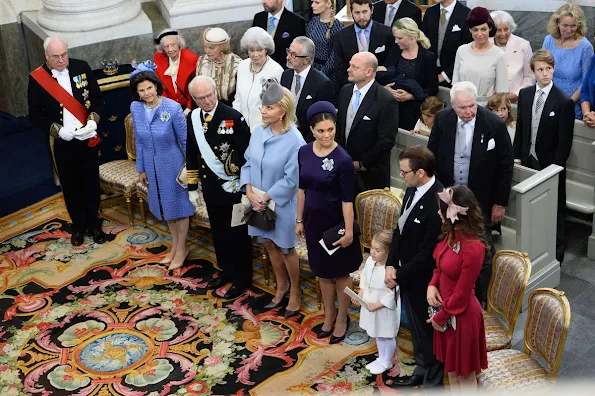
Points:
[[285, 35]]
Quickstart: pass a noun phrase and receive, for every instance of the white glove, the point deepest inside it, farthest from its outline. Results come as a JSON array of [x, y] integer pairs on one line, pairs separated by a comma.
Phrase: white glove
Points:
[[66, 134], [86, 131], [91, 126], [194, 198]]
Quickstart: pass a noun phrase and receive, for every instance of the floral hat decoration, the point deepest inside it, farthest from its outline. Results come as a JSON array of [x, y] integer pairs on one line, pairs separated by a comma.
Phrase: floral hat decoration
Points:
[[145, 66], [452, 210]]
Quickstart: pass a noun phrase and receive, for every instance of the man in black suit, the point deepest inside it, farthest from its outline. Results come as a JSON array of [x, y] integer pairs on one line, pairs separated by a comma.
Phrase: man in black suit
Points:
[[64, 99], [282, 24], [364, 35], [411, 263], [219, 177], [444, 24], [388, 12], [367, 120], [545, 126], [307, 84], [473, 149]]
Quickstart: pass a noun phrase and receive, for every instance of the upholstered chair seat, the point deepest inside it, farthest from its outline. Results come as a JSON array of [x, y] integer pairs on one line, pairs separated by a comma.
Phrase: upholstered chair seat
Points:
[[512, 370]]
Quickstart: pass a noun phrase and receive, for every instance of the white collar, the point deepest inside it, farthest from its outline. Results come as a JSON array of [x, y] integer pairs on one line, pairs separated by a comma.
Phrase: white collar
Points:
[[424, 189], [363, 90], [212, 112], [472, 122], [304, 73], [64, 72], [394, 5], [277, 16], [545, 89], [450, 8]]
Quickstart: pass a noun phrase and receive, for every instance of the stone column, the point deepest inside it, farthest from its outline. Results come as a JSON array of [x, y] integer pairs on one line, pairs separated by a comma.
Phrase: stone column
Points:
[[180, 14]]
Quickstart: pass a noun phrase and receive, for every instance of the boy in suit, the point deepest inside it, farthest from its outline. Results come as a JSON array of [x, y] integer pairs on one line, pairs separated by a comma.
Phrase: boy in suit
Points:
[[544, 130]]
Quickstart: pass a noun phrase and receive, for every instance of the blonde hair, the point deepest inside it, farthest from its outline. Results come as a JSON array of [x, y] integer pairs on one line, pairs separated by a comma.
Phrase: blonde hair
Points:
[[384, 238], [333, 5], [287, 104], [410, 28], [570, 10]]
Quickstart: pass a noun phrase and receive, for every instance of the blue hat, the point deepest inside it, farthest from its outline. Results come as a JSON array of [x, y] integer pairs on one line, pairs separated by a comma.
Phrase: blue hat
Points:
[[321, 107], [144, 66]]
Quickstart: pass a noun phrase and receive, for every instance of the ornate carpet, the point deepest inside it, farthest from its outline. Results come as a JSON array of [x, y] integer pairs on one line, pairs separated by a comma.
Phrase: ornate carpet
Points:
[[109, 320]]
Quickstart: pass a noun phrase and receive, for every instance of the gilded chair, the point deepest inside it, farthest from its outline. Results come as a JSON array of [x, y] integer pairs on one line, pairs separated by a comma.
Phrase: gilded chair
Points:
[[120, 176], [510, 274], [545, 336]]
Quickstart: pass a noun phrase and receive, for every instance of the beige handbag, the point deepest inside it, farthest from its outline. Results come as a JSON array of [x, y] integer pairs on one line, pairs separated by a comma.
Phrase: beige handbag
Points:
[[182, 178]]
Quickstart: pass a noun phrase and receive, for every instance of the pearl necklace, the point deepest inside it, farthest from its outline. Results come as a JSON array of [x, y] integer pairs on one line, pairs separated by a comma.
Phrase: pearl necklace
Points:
[[261, 67], [157, 103]]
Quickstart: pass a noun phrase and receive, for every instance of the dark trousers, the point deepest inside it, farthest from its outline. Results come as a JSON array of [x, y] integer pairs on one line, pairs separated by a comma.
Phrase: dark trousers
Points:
[[534, 164], [78, 170], [233, 246], [485, 274], [422, 334]]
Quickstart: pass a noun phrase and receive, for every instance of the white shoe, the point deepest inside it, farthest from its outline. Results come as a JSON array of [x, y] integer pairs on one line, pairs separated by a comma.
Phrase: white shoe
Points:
[[378, 367]]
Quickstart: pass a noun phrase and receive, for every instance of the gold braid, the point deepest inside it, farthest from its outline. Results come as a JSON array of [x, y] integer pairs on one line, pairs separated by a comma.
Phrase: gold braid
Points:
[[332, 21]]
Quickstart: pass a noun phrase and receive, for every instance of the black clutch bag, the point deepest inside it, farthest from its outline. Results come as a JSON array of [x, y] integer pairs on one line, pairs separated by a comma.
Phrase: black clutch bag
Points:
[[433, 311], [264, 220], [335, 233]]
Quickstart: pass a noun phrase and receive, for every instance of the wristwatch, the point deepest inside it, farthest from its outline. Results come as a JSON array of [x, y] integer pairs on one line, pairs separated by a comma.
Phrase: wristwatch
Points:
[[299, 221]]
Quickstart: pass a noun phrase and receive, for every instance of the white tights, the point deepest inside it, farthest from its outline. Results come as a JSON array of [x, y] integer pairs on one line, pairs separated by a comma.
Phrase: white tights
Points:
[[386, 349]]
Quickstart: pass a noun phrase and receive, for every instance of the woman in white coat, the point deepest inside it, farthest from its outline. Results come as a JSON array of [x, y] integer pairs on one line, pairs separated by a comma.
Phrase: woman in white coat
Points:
[[252, 72]]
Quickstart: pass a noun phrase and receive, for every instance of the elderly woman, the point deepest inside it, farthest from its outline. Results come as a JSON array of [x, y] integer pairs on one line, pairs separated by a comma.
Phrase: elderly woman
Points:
[[322, 29], [518, 53], [160, 138], [571, 49], [175, 64], [219, 63], [587, 100], [271, 174], [480, 61], [252, 72]]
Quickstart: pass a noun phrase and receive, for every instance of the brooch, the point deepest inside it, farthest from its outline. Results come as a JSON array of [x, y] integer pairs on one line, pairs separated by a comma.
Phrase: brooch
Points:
[[85, 94], [87, 104], [164, 116], [328, 164], [457, 247]]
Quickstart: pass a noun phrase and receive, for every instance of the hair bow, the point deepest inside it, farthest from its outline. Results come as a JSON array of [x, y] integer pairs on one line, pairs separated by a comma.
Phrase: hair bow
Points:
[[145, 66], [453, 210]]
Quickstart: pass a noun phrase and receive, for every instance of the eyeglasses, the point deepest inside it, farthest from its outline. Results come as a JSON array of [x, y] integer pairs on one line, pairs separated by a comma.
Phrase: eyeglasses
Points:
[[201, 98], [403, 173], [62, 56], [294, 55]]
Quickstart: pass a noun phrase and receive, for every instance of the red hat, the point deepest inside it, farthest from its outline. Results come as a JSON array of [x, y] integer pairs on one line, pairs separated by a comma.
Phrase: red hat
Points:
[[479, 16]]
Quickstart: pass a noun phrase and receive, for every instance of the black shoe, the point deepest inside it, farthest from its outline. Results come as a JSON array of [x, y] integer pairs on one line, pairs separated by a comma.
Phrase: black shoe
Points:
[[289, 313], [336, 340], [234, 292], [326, 333], [411, 381], [98, 236], [77, 238], [216, 283], [272, 305]]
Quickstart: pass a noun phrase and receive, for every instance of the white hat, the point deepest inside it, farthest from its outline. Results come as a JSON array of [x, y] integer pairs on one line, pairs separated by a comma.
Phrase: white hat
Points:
[[215, 36]]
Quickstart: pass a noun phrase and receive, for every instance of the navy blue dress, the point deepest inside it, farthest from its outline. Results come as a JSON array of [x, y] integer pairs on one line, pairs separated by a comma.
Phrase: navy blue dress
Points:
[[327, 183]]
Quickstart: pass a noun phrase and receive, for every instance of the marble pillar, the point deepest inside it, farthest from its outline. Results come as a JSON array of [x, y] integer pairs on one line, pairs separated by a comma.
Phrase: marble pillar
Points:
[[180, 14]]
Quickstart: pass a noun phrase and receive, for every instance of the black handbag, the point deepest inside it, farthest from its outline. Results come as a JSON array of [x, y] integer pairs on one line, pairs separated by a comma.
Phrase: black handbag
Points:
[[264, 220], [335, 233]]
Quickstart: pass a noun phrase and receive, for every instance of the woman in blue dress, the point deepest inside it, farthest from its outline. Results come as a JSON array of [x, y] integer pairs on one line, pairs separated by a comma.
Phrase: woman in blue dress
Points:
[[587, 100], [325, 200], [321, 29], [271, 166], [571, 49], [160, 137]]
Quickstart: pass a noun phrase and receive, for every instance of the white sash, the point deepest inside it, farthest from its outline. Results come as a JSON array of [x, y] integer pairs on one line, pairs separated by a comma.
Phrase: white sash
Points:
[[232, 185]]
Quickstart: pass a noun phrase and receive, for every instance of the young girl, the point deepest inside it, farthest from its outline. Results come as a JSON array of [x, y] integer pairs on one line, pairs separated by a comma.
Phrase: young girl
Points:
[[381, 316], [500, 105], [428, 108]]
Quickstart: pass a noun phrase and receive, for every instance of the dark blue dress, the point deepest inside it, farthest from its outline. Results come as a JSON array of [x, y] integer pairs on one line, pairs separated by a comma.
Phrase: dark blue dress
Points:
[[327, 182]]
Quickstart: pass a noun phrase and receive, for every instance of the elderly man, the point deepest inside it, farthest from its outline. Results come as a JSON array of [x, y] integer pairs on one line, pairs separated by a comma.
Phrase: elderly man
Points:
[[217, 139], [367, 120], [65, 100], [388, 12], [473, 149], [282, 24], [307, 84]]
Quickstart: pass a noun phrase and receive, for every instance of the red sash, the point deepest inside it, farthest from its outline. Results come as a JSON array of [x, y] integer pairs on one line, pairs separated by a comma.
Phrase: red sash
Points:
[[56, 91]]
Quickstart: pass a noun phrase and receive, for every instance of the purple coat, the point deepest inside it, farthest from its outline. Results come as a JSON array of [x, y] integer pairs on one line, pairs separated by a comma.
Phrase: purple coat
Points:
[[160, 148]]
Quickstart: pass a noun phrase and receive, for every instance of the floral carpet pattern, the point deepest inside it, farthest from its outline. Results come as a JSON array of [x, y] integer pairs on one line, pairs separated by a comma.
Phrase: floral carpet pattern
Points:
[[109, 320]]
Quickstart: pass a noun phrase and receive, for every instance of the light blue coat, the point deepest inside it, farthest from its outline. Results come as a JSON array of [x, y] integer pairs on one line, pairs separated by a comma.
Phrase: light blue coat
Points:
[[272, 166]]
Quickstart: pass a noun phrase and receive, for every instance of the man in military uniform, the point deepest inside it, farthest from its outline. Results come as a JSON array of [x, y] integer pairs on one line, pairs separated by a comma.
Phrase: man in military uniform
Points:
[[65, 100], [217, 139]]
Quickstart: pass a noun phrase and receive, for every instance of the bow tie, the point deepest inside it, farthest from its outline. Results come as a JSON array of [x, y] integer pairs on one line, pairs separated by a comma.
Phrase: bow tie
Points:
[[56, 73]]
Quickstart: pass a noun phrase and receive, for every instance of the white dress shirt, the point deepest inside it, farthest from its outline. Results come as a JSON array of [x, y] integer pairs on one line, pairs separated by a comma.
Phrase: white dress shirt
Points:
[[536, 117], [303, 75], [70, 122]]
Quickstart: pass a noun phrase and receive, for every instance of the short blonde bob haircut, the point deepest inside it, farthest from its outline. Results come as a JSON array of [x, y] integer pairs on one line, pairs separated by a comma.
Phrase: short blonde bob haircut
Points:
[[287, 104], [570, 10]]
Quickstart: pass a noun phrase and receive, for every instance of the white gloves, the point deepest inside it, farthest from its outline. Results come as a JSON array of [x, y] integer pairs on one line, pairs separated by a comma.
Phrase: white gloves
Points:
[[86, 132], [194, 198], [66, 134]]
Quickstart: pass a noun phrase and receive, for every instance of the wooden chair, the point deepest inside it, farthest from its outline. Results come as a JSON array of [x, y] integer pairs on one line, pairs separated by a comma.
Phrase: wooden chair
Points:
[[545, 336], [510, 274], [120, 176]]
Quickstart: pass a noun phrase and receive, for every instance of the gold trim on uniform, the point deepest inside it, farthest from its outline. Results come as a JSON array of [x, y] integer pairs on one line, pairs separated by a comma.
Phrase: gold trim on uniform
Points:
[[231, 169], [55, 129], [93, 116], [192, 176]]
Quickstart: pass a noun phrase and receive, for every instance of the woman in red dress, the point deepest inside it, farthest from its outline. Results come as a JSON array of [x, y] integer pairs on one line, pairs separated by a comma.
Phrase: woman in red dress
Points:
[[461, 344]]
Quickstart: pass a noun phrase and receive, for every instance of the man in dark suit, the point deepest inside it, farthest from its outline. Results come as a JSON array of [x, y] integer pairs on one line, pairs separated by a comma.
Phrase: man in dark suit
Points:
[[444, 24], [367, 121], [545, 126], [307, 84], [388, 12], [214, 128], [65, 100], [364, 35], [411, 263], [282, 24], [473, 149]]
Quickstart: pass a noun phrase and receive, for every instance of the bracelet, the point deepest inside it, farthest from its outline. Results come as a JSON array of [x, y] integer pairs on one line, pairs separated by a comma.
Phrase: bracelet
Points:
[[299, 221]]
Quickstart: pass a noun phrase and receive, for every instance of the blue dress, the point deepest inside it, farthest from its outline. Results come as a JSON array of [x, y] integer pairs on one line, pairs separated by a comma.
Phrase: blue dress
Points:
[[160, 138], [272, 166], [571, 66], [588, 88], [324, 59], [326, 187]]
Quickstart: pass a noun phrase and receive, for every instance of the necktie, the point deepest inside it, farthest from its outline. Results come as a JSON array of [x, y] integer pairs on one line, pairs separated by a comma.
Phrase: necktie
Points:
[[410, 200], [462, 136], [391, 15], [298, 84], [271, 27], [356, 100], [443, 17], [539, 103], [363, 40]]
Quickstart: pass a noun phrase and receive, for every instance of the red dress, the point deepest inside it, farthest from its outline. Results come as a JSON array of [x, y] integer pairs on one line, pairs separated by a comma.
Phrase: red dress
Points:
[[462, 350]]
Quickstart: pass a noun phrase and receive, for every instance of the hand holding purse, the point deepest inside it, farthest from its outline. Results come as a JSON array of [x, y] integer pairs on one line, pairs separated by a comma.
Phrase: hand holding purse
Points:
[[337, 232]]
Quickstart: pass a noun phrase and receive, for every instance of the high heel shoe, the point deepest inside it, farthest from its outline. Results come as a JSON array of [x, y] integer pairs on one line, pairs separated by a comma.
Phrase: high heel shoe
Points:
[[290, 313], [273, 305], [336, 340], [326, 333], [173, 266]]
